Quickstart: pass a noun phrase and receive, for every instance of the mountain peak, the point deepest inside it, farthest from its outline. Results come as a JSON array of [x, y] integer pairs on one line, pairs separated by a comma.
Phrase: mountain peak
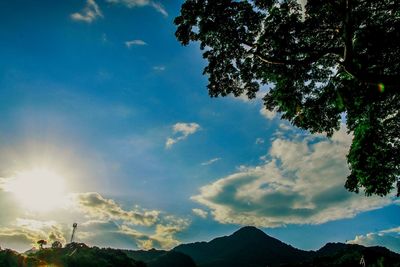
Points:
[[248, 246], [249, 231]]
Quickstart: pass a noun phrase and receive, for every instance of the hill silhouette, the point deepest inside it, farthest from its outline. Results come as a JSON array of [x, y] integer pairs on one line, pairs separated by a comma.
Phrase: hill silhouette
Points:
[[72, 255], [247, 247]]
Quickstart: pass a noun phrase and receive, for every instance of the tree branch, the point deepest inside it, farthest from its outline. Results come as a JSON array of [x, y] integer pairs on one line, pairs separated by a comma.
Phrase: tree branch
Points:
[[348, 34], [313, 55]]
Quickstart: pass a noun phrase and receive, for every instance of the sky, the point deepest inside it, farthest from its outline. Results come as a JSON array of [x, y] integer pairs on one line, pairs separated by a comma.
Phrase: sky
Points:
[[105, 121]]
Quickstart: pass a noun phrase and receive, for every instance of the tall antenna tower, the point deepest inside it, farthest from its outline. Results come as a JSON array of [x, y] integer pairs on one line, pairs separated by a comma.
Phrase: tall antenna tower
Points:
[[74, 225]]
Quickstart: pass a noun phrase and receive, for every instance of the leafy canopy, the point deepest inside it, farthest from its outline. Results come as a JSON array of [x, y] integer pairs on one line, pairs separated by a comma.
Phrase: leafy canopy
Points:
[[334, 57]]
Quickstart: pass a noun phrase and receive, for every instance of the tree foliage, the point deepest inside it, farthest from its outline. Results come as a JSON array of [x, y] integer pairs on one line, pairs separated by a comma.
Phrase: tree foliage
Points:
[[56, 244], [328, 59]]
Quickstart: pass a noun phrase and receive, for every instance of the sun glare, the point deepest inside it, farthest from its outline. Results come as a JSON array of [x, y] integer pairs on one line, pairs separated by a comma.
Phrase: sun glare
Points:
[[38, 189]]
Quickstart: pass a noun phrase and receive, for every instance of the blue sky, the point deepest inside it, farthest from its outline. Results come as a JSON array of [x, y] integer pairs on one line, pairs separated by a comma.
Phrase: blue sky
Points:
[[100, 96]]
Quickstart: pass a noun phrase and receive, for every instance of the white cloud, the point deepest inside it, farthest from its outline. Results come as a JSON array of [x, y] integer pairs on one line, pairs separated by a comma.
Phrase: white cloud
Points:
[[181, 131], [201, 213], [141, 3], [170, 142], [285, 126], [163, 236], [211, 161], [270, 115], [138, 42], [89, 13], [301, 183], [186, 128], [389, 238]]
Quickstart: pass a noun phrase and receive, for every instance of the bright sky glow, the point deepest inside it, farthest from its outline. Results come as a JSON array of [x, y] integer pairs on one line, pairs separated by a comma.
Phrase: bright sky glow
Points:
[[38, 189]]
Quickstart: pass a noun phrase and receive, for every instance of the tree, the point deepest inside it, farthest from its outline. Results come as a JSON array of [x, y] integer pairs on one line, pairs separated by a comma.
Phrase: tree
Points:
[[41, 243], [328, 59], [56, 244]]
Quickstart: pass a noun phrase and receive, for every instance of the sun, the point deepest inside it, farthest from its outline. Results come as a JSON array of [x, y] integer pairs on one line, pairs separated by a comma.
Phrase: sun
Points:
[[38, 189]]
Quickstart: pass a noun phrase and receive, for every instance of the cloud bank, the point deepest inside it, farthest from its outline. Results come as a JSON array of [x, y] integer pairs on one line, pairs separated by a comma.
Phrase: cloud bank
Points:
[[389, 238], [26, 232], [101, 221], [300, 183], [120, 224]]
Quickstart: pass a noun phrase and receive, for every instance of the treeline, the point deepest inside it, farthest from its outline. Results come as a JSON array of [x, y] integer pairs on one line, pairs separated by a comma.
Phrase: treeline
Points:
[[73, 255]]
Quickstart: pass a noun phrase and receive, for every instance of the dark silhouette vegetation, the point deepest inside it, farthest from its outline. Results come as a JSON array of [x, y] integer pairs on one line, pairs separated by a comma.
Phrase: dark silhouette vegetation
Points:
[[247, 247], [72, 255]]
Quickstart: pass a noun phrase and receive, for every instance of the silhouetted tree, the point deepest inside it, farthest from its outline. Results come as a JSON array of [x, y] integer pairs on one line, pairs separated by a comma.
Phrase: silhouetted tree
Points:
[[41, 243], [333, 57], [56, 244]]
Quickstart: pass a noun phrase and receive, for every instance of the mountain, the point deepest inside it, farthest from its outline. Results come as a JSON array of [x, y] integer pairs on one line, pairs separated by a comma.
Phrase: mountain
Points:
[[247, 247]]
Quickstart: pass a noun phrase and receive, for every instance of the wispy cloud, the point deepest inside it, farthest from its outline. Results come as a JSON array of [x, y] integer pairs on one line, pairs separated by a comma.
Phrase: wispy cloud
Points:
[[89, 13], [211, 161], [136, 42], [260, 141], [300, 183], [159, 68], [181, 131], [389, 238], [141, 3], [160, 8], [201, 213]]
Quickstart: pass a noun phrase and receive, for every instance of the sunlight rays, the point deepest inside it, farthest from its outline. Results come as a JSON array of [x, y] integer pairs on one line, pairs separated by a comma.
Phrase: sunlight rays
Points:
[[37, 189]]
